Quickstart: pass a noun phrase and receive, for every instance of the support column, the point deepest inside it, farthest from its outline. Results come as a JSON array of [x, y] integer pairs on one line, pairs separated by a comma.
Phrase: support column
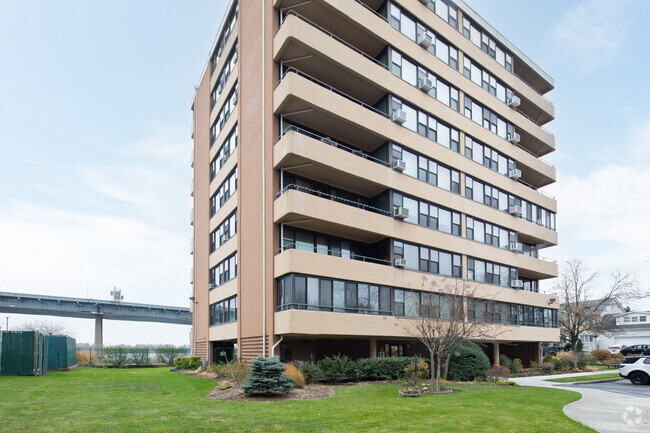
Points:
[[495, 353], [538, 354], [373, 348], [99, 331]]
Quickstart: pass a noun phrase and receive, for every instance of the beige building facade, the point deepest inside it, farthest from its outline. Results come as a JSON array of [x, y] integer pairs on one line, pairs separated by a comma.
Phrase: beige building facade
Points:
[[352, 157]]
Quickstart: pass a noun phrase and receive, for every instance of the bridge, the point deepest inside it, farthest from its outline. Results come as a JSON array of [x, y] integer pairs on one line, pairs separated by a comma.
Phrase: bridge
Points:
[[23, 303]]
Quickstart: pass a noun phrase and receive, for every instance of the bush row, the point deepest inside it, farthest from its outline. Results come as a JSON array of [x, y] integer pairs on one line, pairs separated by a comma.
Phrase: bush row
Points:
[[467, 363], [340, 367], [187, 362]]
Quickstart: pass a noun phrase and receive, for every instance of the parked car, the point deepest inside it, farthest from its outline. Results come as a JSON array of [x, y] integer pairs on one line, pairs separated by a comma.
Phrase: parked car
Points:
[[616, 348], [636, 369], [550, 350], [637, 349]]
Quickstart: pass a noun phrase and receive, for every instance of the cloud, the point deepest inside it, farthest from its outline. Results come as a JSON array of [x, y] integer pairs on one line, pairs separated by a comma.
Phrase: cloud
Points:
[[603, 215], [591, 33], [123, 222]]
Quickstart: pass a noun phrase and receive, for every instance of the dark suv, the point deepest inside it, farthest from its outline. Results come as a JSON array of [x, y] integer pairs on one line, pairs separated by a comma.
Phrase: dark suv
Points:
[[550, 350], [637, 349]]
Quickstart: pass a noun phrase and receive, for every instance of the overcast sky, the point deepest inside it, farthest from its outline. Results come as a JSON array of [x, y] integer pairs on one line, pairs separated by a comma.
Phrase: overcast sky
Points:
[[95, 143]]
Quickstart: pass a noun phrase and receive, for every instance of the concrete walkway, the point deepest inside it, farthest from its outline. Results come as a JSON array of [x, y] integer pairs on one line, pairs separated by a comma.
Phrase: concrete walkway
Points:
[[602, 410]]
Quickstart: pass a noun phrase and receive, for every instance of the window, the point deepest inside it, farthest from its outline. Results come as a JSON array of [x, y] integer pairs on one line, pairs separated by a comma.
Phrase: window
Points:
[[223, 193], [410, 28], [228, 27], [304, 292], [228, 68], [413, 73], [223, 272], [430, 260], [224, 114], [488, 157], [224, 231], [427, 126], [488, 119], [224, 152], [223, 311], [485, 42]]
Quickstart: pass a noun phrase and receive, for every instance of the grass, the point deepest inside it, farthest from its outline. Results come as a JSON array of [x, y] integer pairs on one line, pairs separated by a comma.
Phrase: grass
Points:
[[156, 400], [585, 378]]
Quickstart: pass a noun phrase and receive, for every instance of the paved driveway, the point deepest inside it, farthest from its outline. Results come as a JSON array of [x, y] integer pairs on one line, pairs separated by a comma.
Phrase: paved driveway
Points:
[[606, 407]]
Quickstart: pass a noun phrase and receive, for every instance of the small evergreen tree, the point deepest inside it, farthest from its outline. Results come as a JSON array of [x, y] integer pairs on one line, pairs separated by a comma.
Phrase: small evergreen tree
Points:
[[266, 377]]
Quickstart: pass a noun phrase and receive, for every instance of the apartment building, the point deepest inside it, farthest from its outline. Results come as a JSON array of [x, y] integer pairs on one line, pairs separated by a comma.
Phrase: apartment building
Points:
[[350, 157]]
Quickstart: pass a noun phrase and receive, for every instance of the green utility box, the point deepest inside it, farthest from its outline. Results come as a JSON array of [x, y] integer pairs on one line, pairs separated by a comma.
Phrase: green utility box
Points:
[[22, 353]]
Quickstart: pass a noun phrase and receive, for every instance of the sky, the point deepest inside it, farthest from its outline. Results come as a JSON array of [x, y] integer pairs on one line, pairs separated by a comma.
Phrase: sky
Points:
[[95, 143]]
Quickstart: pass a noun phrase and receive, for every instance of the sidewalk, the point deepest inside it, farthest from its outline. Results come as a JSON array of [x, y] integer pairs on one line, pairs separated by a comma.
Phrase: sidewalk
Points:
[[602, 410]]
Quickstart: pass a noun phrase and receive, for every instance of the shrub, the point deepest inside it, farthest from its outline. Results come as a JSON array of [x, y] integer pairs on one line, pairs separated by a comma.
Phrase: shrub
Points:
[[194, 362], [310, 370], [535, 365], [505, 362], [582, 361], [499, 372], [468, 363], [383, 368], [266, 377], [548, 367], [601, 355], [86, 360], [136, 357], [416, 371], [618, 356], [517, 366], [566, 355], [235, 370], [337, 367], [295, 374], [182, 363], [579, 346], [167, 354]]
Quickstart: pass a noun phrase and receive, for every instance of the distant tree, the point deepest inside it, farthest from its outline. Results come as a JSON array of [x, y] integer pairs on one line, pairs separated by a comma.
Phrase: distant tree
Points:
[[442, 322], [583, 302], [45, 327]]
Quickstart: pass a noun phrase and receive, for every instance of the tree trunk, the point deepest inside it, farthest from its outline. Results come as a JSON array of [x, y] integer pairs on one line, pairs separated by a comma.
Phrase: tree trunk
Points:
[[438, 375], [432, 363], [447, 366]]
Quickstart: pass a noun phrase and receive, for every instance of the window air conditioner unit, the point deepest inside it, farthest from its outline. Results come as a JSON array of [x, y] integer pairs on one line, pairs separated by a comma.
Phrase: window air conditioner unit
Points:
[[399, 116], [211, 286], [517, 284], [192, 246], [515, 210], [425, 84], [515, 174], [399, 165], [514, 101], [400, 263], [514, 138], [400, 213], [517, 247], [425, 39], [540, 222]]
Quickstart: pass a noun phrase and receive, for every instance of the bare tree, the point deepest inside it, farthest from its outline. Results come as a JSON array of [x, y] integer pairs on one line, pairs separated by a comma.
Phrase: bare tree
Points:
[[583, 302], [45, 327], [441, 321]]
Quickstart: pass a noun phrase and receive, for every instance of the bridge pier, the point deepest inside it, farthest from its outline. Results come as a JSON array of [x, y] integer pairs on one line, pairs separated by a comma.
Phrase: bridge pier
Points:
[[99, 331]]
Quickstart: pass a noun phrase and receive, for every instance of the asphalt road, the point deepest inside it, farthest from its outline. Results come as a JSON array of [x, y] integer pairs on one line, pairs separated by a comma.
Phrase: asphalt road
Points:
[[623, 387]]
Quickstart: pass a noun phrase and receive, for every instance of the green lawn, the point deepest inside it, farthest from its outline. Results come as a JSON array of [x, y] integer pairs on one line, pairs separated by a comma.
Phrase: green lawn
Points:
[[156, 400], [585, 378]]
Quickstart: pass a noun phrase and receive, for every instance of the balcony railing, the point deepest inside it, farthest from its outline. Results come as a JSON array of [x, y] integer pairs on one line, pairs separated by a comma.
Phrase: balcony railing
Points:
[[333, 89], [333, 36], [335, 253], [334, 143], [317, 193]]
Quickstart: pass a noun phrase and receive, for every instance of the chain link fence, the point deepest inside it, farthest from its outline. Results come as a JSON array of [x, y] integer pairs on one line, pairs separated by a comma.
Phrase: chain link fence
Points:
[[129, 356]]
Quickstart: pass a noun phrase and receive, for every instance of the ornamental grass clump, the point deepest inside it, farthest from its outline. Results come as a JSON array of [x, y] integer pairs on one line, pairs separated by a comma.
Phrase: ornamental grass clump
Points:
[[266, 378], [295, 374]]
